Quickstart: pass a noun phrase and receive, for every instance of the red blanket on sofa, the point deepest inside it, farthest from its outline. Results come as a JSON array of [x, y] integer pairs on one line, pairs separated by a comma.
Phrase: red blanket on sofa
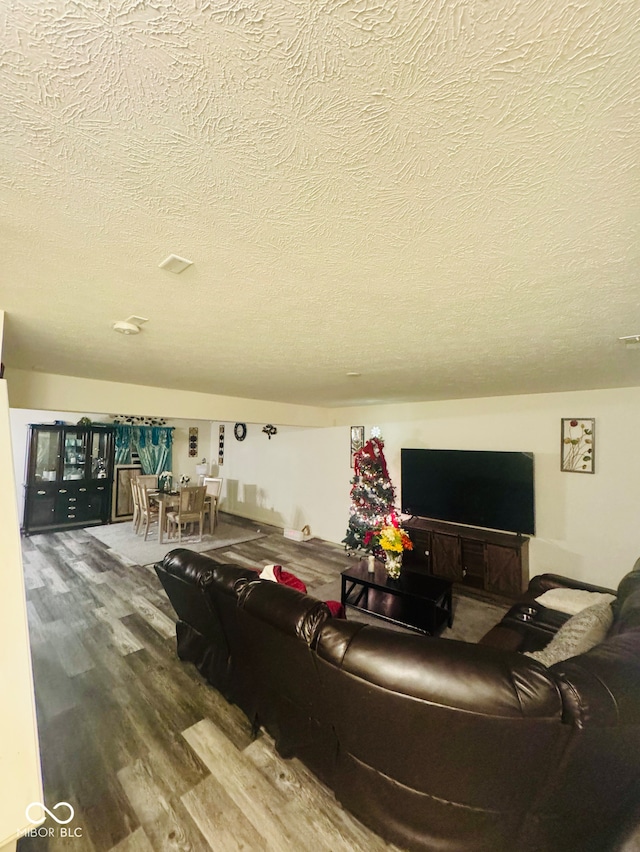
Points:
[[277, 574]]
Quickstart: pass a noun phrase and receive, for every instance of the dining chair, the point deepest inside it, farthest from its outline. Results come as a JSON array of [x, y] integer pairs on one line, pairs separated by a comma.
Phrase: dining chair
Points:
[[135, 499], [148, 480], [213, 484], [149, 511], [190, 509]]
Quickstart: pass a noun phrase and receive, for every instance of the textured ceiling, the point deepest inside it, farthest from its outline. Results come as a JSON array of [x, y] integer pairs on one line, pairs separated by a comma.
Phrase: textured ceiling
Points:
[[442, 196]]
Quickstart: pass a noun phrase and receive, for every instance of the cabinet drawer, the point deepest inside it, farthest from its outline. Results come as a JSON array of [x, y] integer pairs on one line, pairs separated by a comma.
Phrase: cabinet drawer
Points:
[[71, 504]]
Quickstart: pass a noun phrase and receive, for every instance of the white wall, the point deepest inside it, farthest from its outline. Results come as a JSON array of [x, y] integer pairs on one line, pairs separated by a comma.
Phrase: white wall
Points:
[[182, 463], [301, 476], [19, 759], [587, 525]]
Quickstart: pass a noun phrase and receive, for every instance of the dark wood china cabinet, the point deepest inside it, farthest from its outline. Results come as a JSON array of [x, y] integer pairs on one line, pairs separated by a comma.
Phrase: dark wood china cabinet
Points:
[[69, 477]]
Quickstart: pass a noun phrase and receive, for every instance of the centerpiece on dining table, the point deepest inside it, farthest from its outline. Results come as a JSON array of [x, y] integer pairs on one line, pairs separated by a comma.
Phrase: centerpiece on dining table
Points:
[[164, 481]]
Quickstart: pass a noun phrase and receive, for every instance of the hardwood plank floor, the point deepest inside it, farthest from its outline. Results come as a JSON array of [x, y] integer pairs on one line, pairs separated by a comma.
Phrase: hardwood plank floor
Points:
[[148, 754]]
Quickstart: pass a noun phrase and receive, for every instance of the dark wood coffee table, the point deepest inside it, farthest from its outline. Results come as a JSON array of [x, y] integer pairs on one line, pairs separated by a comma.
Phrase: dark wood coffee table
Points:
[[416, 600]]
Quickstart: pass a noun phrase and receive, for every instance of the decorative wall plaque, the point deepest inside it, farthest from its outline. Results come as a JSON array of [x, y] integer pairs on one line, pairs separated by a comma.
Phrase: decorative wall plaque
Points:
[[221, 445], [193, 440], [577, 447]]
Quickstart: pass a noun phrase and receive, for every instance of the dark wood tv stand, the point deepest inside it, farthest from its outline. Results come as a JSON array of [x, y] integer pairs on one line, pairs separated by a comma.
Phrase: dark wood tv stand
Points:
[[491, 561]]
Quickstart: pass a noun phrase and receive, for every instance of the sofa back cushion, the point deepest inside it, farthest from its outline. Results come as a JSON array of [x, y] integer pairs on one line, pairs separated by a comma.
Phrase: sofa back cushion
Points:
[[630, 583], [284, 608], [627, 606], [202, 571]]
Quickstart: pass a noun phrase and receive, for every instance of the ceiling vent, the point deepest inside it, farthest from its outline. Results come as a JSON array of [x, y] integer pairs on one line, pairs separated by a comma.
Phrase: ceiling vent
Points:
[[176, 264], [631, 341], [129, 326]]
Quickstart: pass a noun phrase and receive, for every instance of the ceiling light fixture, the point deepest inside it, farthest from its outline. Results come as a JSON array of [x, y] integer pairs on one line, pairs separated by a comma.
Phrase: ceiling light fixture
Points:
[[129, 326], [175, 263], [353, 374]]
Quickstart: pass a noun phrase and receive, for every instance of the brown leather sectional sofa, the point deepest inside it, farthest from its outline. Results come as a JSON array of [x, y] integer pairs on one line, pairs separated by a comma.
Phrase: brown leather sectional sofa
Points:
[[436, 744]]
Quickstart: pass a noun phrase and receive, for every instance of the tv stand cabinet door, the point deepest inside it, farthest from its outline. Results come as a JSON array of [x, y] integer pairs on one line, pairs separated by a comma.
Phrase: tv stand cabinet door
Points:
[[506, 569], [421, 553], [446, 560]]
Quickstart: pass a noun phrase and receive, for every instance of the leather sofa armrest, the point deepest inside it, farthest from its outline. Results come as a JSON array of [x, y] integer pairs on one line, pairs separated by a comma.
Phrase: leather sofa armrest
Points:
[[543, 582], [528, 626]]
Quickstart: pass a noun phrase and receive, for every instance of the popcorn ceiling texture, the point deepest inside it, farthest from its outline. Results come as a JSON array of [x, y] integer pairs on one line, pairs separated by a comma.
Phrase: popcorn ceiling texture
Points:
[[440, 195]]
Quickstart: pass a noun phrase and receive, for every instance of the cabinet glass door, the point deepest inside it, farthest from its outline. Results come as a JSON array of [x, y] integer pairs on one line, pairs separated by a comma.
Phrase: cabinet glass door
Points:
[[47, 453], [99, 455], [75, 455]]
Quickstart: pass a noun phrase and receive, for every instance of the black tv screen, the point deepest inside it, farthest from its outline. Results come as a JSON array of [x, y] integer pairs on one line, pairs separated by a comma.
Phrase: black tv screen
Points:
[[474, 487]]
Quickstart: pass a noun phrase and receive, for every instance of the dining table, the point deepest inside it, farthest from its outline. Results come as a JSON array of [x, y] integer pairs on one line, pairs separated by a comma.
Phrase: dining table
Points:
[[169, 500]]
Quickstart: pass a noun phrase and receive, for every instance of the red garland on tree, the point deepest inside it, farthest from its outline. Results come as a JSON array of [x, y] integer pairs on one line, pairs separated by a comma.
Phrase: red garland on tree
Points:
[[372, 499]]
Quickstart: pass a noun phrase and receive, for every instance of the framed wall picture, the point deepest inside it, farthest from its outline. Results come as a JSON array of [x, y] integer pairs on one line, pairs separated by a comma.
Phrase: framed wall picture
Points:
[[577, 445], [357, 440]]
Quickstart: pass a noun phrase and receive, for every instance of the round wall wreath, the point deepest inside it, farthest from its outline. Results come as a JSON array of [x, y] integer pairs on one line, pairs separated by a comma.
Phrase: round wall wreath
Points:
[[240, 431]]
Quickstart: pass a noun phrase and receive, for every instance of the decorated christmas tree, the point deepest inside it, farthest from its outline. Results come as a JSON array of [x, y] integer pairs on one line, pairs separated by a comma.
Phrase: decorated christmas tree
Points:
[[372, 499]]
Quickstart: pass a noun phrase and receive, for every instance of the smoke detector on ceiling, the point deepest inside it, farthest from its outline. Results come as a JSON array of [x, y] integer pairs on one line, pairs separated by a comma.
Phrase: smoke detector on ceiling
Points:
[[631, 341], [129, 326], [174, 263]]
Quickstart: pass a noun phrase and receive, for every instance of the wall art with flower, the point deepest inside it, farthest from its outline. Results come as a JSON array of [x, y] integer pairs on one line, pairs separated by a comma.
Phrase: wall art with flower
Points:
[[577, 448]]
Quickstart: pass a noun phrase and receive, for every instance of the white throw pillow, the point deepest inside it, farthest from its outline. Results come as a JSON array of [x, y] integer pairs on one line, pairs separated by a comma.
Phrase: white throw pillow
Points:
[[572, 600], [577, 635]]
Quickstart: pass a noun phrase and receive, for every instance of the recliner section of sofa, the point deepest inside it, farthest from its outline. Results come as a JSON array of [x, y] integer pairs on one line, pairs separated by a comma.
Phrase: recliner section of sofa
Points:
[[252, 640], [430, 734], [280, 627], [438, 745], [204, 596]]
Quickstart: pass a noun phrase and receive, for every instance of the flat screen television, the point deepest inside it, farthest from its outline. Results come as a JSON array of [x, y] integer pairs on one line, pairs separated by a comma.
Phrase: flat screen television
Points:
[[474, 487]]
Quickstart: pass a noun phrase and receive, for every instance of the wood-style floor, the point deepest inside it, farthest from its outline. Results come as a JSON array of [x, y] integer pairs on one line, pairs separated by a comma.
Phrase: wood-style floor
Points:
[[150, 756]]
